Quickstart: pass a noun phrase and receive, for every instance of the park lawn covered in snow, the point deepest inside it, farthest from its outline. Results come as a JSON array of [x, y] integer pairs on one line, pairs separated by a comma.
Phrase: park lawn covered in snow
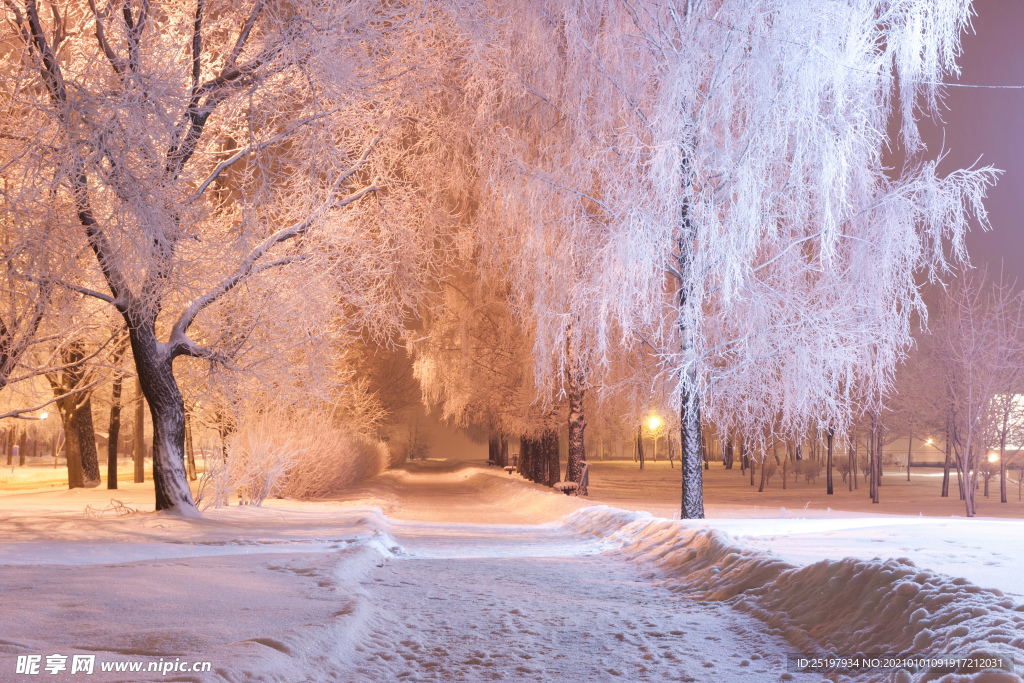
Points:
[[446, 572]]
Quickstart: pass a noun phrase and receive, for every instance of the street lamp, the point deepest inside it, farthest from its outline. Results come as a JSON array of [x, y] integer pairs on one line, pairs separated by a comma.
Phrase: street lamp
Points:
[[41, 416]]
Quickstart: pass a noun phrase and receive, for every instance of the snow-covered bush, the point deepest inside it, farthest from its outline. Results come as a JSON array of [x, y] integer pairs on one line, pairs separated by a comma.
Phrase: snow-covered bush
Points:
[[260, 456], [332, 458], [296, 455]]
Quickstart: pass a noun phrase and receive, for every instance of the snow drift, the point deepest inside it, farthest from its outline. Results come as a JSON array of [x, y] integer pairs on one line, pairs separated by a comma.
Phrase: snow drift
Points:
[[843, 606]]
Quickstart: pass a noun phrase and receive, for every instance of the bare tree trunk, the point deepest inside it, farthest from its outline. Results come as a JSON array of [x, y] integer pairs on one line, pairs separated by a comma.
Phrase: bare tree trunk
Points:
[[750, 466], [154, 362], [640, 445], [1002, 458], [785, 470], [9, 445], [946, 465], [538, 458], [910, 438], [190, 455], [799, 453], [503, 451], [22, 448], [878, 468], [492, 448], [764, 478], [728, 452], [690, 457], [139, 448], [552, 465], [577, 454], [873, 461], [114, 431], [75, 410], [524, 465], [828, 464], [851, 453]]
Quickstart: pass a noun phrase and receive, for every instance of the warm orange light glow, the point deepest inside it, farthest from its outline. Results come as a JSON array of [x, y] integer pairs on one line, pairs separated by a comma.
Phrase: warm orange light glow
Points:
[[654, 422], [993, 457], [43, 416], [929, 442]]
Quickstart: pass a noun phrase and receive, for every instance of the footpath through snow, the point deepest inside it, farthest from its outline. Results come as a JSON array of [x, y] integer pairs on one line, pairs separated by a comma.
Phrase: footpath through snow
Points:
[[445, 572]]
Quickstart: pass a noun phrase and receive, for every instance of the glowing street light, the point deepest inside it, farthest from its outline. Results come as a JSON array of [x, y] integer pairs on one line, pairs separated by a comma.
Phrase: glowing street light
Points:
[[654, 422], [993, 457]]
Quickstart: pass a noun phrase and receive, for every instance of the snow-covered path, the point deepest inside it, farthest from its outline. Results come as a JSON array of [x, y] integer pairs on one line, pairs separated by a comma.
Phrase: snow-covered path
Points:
[[484, 602], [448, 572]]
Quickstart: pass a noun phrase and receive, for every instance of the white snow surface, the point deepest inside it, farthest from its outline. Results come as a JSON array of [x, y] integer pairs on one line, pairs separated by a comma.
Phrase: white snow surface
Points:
[[447, 572]]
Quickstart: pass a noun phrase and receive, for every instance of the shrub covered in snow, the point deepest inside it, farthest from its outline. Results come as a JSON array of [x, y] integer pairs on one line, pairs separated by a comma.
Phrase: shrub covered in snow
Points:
[[304, 456]]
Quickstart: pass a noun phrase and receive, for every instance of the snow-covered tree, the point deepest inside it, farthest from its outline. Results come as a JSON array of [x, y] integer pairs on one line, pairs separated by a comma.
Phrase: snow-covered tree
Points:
[[225, 164], [713, 182], [980, 345]]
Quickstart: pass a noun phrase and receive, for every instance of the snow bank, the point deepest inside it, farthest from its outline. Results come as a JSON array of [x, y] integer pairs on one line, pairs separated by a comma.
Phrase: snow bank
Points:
[[840, 606], [265, 594]]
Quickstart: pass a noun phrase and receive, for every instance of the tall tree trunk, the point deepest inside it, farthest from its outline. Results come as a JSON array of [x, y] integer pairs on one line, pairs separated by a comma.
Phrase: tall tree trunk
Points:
[[540, 461], [503, 451], [910, 438], [553, 468], [577, 454], [960, 473], [728, 452], [750, 465], [9, 445], [139, 447], [492, 448], [828, 463], [946, 465], [690, 433], [799, 453], [764, 472], [689, 439], [154, 362], [190, 454], [873, 461], [114, 431], [640, 445], [523, 466], [851, 453], [22, 448], [876, 477], [75, 410], [785, 473], [1002, 457]]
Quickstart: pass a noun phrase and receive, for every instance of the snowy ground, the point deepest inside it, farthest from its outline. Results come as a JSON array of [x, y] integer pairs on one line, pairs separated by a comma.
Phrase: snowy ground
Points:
[[447, 572]]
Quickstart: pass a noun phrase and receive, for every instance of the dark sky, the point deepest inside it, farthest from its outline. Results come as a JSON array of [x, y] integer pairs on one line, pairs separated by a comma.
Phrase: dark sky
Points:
[[990, 124]]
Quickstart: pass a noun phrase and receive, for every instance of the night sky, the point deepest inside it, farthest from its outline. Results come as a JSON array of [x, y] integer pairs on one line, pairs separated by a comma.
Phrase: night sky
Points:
[[990, 124]]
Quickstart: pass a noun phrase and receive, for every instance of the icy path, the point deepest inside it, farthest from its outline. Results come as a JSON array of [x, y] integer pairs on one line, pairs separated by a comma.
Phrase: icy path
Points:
[[488, 602]]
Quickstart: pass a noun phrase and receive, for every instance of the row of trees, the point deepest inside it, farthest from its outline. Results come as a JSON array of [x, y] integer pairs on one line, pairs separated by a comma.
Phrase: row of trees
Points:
[[566, 211]]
